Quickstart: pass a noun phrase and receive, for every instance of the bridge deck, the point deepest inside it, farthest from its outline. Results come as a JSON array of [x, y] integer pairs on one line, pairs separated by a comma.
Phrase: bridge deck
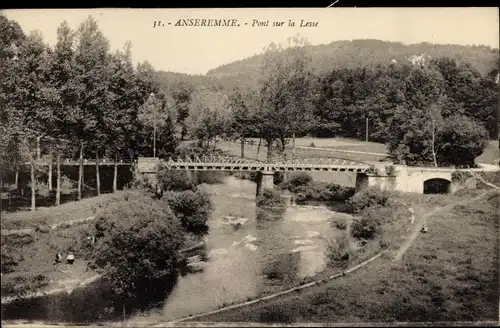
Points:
[[226, 163]]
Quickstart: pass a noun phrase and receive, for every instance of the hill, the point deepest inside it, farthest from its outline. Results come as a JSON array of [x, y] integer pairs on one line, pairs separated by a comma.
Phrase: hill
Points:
[[356, 53]]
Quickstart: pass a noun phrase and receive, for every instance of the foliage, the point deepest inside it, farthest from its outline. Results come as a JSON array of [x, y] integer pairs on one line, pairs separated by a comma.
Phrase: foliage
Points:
[[22, 286], [270, 198], [176, 180], [340, 223], [365, 228], [461, 141], [209, 117], [275, 314], [367, 198], [324, 191], [137, 222], [192, 208], [338, 253], [285, 93], [299, 180], [78, 93]]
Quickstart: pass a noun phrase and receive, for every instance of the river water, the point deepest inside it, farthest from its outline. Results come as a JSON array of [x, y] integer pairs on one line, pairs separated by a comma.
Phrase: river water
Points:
[[245, 257]]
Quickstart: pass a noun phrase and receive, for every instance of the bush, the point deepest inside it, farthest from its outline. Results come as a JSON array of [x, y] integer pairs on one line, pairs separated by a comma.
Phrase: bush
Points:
[[23, 286], [137, 243], [337, 253], [367, 198], [298, 180], [209, 177], [340, 224], [193, 209], [275, 314], [176, 180], [279, 177], [368, 226], [270, 198], [364, 228], [324, 191]]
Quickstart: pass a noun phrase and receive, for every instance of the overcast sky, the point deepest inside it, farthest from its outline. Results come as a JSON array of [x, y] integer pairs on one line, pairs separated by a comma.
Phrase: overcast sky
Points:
[[196, 50]]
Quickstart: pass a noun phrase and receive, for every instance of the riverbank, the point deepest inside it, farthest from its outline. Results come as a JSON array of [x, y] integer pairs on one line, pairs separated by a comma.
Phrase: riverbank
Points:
[[440, 278]]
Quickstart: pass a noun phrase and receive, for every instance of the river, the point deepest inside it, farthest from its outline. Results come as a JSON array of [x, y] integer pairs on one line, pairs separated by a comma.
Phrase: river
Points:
[[246, 257], [243, 257]]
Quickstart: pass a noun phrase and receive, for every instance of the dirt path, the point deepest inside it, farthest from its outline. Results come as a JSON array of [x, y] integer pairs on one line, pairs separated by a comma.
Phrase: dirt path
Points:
[[423, 219]]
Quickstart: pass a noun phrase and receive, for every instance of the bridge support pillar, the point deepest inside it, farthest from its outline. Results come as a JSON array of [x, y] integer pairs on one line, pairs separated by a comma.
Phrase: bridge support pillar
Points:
[[265, 181], [365, 181]]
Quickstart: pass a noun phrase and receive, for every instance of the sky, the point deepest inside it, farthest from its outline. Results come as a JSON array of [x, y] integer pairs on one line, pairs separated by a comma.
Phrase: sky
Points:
[[196, 49]]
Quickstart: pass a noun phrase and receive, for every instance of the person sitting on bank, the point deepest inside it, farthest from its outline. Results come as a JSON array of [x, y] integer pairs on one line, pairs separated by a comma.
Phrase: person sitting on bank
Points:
[[58, 258], [70, 259]]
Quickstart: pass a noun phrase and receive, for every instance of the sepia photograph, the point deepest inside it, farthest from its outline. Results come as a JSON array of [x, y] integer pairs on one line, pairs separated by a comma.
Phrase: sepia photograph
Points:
[[250, 167]]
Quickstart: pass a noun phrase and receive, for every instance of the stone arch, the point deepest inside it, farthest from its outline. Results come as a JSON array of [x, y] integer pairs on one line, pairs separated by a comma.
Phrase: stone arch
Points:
[[437, 186]]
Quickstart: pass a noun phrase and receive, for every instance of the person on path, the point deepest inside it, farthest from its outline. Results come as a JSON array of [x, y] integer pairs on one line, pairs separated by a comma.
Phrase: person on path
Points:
[[70, 259]]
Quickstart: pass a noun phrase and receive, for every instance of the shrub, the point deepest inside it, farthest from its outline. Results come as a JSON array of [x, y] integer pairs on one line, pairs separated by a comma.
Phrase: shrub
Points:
[[209, 177], [364, 228], [8, 261], [275, 314], [270, 198], [340, 224], [324, 191], [279, 177], [193, 209], [337, 253], [22, 286], [137, 243], [368, 226], [282, 267], [298, 180], [368, 197], [176, 180]]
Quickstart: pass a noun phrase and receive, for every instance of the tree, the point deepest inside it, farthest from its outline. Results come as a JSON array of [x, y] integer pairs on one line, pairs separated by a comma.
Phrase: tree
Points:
[[11, 118], [243, 118], [435, 116], [89, 117], [193, 209], [181, 93], [285, 93], [136, 222], [461, 140], [209, 117]]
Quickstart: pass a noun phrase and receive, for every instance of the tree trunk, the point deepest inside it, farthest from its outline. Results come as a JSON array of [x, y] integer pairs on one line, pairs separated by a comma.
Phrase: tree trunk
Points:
[[58, 186], [242, 143], [80, 173], [269, 149], [115, 176], [16, 179], [433, 143], [97, 177], [293, 145], [283, 145], [258, 147], [33, 186], [50, 172], [37, 147]]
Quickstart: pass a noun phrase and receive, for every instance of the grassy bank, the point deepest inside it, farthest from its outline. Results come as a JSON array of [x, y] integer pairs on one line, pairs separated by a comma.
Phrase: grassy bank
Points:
[[440, 278], [57, 214]]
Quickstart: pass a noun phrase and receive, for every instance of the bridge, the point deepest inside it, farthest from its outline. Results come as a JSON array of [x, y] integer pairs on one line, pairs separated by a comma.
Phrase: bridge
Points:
[[229, 163], [384, 175]]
